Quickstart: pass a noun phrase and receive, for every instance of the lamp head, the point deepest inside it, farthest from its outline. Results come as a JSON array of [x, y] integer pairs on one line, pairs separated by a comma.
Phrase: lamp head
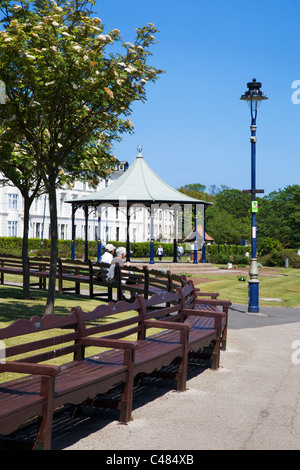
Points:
[[254, 92]]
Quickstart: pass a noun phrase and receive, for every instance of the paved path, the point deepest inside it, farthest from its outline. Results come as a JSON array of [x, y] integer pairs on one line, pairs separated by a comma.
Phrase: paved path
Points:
[[251, 402]]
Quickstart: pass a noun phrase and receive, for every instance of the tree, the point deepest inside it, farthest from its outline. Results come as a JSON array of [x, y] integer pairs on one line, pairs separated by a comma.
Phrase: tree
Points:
[[225, 227], [197, 191], [20, 170], [279, 216], [234, 201], [69, 92]]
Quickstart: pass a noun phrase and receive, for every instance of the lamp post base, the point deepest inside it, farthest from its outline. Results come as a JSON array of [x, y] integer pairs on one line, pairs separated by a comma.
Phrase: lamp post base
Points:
[[253, 287]]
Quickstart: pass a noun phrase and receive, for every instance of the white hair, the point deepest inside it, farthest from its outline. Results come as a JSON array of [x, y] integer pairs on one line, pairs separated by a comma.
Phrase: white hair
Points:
[[120, 251]]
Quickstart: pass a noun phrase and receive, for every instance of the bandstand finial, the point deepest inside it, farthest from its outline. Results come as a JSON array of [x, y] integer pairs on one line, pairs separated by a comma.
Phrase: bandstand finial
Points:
[[140, 148]]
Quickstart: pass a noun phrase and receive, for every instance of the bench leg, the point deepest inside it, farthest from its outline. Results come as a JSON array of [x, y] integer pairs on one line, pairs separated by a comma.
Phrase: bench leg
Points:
[[127, 395], [183, 365], [77, 288], [60, 285], [224, 339], [43, 441], [109, 294], [216, 356]]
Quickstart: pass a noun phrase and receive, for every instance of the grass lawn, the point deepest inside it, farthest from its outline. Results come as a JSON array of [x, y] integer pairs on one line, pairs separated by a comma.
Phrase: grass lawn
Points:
[[14, 307], [284, 286]]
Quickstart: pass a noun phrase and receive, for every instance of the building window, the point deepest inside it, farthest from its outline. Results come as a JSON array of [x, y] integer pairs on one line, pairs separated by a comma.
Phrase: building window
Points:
[[12, 229], [13, 201], [62, 231], [37, 230]]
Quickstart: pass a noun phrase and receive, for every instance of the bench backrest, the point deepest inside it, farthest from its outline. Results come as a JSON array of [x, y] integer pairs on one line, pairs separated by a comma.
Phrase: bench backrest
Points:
[[124, 320], [177, 281], [11, 262], [39, 264], [41, 338], [164, 306], [158, 279], [115, 320], [73, 267], [130, 274], [98, 271], [188, 295]]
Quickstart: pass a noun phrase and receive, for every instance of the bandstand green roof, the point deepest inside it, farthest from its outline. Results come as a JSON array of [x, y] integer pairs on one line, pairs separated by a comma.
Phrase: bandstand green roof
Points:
[[138, 184]]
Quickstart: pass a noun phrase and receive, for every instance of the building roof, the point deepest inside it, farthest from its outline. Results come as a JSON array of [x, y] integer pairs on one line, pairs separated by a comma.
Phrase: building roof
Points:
[[191, 236], [138, 184]]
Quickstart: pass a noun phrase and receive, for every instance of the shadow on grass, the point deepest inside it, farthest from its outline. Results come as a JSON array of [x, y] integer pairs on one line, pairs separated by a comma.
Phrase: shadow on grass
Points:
[[14, 307]]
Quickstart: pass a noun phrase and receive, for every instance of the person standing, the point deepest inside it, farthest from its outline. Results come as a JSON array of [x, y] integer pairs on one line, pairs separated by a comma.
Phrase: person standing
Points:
[[160, 252], [180, 251]]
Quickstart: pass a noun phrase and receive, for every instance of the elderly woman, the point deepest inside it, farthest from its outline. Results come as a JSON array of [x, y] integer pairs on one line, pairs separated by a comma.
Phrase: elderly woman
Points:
[[118, 259]]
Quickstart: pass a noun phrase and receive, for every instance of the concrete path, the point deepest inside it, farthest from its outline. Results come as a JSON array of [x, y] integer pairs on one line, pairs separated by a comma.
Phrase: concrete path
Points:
[[251, 402]]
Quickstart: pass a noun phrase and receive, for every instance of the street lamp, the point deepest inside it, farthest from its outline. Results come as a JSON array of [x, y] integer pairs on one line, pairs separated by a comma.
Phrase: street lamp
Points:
[[253, 96]]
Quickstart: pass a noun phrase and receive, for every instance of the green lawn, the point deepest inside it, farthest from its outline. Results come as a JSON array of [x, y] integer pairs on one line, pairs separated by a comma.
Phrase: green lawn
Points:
[[285, 285]]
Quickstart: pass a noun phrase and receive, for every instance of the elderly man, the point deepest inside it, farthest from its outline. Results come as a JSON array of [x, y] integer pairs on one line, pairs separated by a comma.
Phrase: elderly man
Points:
[[107, 258], [108, 255]]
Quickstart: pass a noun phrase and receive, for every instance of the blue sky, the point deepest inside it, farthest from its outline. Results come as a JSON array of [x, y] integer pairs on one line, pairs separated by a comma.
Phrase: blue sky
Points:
[[193, 127]]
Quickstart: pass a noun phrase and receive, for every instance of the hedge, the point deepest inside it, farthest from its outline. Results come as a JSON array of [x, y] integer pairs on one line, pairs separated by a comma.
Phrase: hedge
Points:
[[220, 254], [13, 245]]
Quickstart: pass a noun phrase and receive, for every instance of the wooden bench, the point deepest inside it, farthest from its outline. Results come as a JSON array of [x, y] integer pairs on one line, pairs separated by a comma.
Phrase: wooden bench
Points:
[[133, 321], [178, 336], [145, 282], [133, 350], [73, 271], [199, 292], [98, 273], [38, 267], [50, 386], [10, 264], [192, 302]]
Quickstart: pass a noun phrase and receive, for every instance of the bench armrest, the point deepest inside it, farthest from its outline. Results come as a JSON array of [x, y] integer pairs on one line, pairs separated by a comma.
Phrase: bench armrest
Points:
[[167, 324], [109, 343], [212, 295], [203, 313], [29, 368], [215, 302]]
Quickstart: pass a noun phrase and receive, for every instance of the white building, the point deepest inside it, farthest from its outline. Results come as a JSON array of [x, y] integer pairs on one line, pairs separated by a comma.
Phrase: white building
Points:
[[113, 221]]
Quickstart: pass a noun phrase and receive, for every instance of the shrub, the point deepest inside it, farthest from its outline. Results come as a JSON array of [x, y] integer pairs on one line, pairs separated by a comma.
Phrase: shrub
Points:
[[278, 257], [268, 245]]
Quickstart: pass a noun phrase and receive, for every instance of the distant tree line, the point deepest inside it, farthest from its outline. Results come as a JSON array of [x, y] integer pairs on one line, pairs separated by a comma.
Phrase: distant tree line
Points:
[[229, 219]]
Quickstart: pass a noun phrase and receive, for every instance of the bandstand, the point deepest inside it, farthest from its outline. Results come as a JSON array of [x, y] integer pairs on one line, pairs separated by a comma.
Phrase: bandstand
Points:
[[140, 186]]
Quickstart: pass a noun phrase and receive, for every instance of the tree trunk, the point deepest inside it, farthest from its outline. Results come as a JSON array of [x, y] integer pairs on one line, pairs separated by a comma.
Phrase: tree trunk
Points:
[[25, 259], [54, 250]]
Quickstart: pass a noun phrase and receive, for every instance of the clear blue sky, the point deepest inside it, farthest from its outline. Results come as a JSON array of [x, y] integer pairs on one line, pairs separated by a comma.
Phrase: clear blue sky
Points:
[[193, 127]]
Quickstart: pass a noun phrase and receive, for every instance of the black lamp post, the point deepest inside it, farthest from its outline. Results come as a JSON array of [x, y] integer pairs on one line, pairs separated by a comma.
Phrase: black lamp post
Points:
[[253, 96]]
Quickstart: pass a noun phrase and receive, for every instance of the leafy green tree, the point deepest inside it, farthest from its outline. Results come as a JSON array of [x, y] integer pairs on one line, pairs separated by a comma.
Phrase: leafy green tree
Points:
[[197, 191], [229, 219], [69, 92], [279, 216], [224, 227], [19, 169], [234, 201]]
